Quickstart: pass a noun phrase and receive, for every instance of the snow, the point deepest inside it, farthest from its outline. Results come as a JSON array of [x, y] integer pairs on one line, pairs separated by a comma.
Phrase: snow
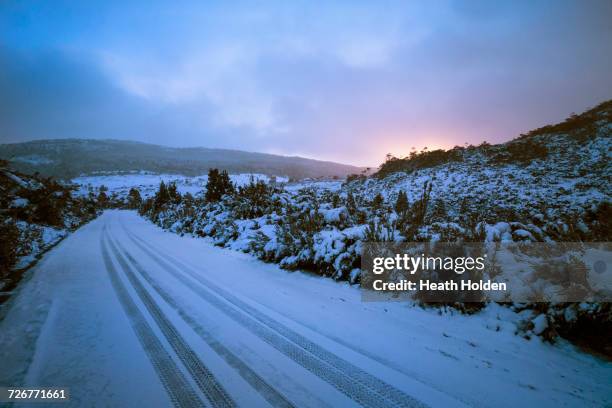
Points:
[[438, 357], [329, 185], [35, 240], [540, 323], [26, 184], [334, 214], [32, 159], [19, 203], [148, 183], [569, 182]]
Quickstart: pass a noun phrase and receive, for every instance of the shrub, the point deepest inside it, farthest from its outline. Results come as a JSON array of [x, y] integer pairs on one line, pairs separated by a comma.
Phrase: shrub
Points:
[[420, 160], [355, 177], [401, 204], [521, 151], [9, 236], [134, 198], [600, 222], [253, 200]]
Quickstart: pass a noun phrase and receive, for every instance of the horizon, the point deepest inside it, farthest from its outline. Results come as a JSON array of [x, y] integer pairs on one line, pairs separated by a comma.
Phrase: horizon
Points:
[[343, 82], [368, 167]]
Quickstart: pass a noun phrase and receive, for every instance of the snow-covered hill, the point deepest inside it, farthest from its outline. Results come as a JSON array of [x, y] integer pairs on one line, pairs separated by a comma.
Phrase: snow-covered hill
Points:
[[553, 182], [69, 158]]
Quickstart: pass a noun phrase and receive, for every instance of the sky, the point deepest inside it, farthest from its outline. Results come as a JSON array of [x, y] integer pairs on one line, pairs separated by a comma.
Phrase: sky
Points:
[[343, 81]]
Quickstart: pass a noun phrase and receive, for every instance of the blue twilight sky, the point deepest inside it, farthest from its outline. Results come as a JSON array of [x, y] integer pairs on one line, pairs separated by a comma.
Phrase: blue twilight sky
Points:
[[345, 81]]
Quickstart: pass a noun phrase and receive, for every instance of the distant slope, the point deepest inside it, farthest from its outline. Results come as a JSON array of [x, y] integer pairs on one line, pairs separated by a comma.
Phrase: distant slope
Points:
[[550, 183], [564, 146], [68, 158]]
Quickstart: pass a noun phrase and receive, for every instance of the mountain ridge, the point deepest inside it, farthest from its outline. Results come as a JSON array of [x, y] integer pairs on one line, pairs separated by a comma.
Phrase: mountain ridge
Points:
[[69, 158]]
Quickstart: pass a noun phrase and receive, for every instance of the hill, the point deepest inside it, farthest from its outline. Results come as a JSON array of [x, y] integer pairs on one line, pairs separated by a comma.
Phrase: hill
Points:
[[555, 179], [69, 158], [568, 140]]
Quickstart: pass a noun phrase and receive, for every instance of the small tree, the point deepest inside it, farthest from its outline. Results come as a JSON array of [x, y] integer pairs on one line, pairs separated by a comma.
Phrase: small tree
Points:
[[401, 205], [351, 205], [218, 185], [212, 186], [335, 200], [162, 196], [173, 193], [102, 198], [377, 202], [226, 184], [439, 210], [134, 198], [188, 198], [419, 208]]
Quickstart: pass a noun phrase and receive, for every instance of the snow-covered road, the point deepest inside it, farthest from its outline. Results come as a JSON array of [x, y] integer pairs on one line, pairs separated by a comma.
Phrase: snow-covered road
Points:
[[124, 314]]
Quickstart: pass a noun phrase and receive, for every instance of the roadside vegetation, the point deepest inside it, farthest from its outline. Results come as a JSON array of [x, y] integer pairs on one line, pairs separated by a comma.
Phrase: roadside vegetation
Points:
[[35, 214], [540, 187]]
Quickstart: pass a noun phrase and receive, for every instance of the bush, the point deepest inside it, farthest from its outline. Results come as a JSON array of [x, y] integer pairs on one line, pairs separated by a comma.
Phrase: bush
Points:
[[355, 177], [521, 151], [9, 236], [253, 200], [419, 160], [134, 198], [600, 222]]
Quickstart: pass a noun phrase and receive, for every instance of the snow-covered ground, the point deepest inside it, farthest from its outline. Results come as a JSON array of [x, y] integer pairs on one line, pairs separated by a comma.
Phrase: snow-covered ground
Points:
[[125, 314], [148, 183], [329, 185]]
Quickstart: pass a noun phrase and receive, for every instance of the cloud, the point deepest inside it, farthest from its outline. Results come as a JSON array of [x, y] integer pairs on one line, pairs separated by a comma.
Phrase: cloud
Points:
[[347, 81], [225, 71], [218, 76], [49, 94], [56, 94]]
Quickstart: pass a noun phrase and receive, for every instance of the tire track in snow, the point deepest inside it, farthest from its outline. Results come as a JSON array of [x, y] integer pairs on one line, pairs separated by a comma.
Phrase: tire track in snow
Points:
[[306, 360], [359, 350], [202, 376], [270, 394], [178, 388], [354, 382]]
